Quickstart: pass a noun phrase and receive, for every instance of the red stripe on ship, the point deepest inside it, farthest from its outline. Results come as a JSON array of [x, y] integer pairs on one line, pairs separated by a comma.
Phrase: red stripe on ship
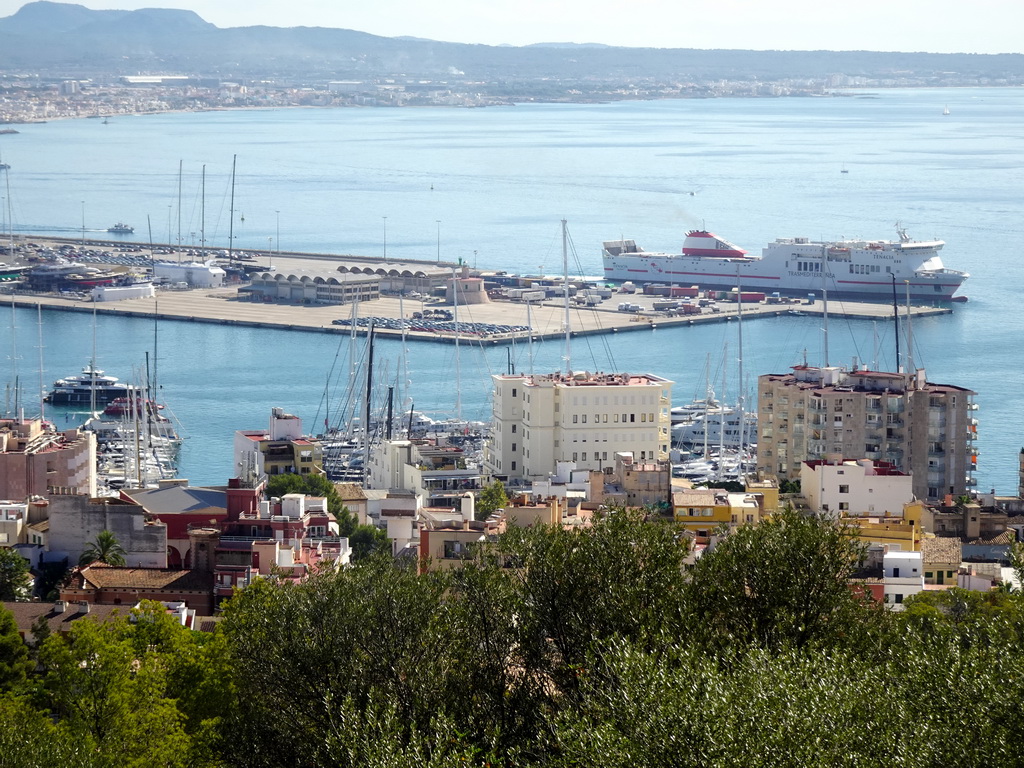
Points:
[[720, 252]]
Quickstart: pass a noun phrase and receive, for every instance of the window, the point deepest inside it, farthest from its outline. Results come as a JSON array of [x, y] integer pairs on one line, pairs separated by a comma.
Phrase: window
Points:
[[584, 418], [584, 456], [513, 466], [632, 418], [513, 391], [844, 506], [575, 418], [844, 489], [513, 447], [513, 429]]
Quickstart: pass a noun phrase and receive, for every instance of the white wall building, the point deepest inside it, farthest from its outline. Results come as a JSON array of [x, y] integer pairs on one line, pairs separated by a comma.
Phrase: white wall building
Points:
[[903, 574], [122, 292], [585, 418], [861, 488], [195, 274]]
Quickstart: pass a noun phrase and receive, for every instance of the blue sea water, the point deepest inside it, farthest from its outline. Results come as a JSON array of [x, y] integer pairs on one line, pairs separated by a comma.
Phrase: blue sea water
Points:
[[489, 186]]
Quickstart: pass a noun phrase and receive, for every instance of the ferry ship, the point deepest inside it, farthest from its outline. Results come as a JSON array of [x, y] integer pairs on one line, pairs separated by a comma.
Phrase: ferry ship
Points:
[[861, 269]]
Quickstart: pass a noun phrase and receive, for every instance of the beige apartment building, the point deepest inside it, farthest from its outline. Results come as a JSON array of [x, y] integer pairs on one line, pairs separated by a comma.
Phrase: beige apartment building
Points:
[[585, 418], [924, 429]]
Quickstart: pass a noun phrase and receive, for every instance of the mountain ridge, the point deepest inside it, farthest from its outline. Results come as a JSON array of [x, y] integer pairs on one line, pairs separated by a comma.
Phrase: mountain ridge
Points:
[[67, 38]]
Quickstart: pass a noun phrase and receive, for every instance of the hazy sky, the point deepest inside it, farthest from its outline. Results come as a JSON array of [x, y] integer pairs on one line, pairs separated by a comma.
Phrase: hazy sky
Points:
[[944, 26]]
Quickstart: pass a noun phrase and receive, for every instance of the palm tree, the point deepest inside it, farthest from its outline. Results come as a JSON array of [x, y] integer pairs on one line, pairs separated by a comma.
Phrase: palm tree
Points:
[[104, 549]]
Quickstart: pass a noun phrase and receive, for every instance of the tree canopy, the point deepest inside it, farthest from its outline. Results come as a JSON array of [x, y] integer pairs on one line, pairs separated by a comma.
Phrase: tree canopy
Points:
[[15, 580], [608, 645]]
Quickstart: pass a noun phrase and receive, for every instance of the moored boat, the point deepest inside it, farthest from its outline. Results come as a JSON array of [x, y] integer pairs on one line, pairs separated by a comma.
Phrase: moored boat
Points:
[[91, 387], [863, 269]]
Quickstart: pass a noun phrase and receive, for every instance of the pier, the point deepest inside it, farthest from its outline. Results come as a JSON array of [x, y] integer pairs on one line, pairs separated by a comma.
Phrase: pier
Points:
[[226, 306]]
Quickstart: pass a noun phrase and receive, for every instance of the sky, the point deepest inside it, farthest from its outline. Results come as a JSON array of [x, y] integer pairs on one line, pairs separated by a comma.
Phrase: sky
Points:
[[938, 26]]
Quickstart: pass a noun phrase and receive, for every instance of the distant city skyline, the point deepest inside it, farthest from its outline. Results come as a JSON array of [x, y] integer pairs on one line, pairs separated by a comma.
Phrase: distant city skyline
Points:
[[936, 26]]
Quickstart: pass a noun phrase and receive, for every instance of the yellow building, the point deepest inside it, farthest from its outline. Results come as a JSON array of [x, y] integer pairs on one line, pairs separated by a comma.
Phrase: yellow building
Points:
[[702, 510]]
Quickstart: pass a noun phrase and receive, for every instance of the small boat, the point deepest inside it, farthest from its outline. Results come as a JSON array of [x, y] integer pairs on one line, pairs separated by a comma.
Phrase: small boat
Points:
[[126, 406], [121, 229], [945, 110], [843, 170]]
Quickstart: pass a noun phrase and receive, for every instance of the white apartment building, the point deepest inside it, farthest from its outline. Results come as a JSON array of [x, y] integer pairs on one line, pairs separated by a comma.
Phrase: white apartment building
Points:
[[586, 418], [903, 576], [926, 430], [861, 488]]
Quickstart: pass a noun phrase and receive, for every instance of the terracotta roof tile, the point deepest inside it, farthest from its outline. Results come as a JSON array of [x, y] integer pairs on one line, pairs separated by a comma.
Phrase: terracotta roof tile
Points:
[[941, 549], [102, 576], [25, 614]]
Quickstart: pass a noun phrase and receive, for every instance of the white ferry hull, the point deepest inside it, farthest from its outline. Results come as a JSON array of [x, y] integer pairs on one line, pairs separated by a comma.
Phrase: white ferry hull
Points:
[[855, 269]]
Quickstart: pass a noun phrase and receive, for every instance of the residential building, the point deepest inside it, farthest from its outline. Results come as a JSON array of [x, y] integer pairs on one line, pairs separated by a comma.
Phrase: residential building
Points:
[[282, 449], [903, 573], [102, 584], [923, 429], [632, 483], [967, 521], [75, 521], [36, 459], [861, 488], [435, 470], [941, 558], [585, 418], [702, 510]]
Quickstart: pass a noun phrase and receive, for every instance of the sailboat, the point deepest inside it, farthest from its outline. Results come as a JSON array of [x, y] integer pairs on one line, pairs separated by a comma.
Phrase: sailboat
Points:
[[843, 169], [945, 110]]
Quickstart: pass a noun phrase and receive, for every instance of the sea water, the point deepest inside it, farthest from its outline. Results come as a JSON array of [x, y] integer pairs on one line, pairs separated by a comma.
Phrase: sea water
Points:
[[489, 186]]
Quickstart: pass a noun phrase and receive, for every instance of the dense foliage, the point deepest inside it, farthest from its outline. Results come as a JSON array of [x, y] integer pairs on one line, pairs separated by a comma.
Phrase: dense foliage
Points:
[[595, 646]]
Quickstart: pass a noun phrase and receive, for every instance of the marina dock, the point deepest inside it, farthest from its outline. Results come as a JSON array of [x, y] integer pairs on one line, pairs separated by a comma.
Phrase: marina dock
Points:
[[226, 306], [222, 306]]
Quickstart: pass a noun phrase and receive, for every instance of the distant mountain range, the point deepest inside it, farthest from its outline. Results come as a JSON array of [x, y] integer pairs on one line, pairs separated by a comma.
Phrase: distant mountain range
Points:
[[70, 40]]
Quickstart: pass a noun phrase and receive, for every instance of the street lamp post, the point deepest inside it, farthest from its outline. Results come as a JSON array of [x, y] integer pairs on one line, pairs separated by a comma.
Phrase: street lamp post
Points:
[[83, 223], [278, 214], [438, 240], [385, 237]]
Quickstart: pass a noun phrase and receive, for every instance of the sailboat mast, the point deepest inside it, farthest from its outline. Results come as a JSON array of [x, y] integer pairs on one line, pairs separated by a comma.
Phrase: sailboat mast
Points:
[[565, 278], [741, 399], [824, 299], [896, 320], [458, 357], [231, 225], [202, 213], [910, 334], [42, 382], [92, 363], [369, 392], [180, 166], [529, 330]]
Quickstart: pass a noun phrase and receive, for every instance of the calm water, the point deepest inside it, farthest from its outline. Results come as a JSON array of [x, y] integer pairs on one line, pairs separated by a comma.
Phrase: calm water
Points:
[[498, 181]]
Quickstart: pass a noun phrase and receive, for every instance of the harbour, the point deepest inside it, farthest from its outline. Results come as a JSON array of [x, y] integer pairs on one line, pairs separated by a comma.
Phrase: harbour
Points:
[[466, 186]]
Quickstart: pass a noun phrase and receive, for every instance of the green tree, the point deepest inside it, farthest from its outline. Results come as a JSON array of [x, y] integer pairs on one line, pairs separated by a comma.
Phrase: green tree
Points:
[[102, 688], [784, 582], [105, 548], [365, 540], [620, 577], [491, 499], [15, 581], [360, 634], [15, 663]]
